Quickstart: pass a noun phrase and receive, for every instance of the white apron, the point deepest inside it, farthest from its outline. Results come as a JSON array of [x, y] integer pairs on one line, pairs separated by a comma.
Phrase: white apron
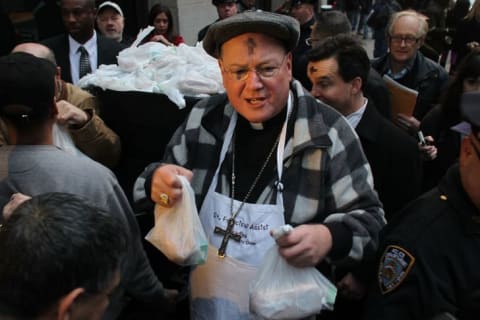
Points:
[[219, 288]]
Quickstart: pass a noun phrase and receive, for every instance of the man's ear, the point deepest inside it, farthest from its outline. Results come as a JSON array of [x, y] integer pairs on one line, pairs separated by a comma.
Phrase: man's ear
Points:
[[421, 41], [356, 85], [66, 303], [58, 74]]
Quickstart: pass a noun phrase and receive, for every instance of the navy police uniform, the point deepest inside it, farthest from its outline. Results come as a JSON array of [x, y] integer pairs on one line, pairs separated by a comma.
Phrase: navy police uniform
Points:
[[430, 258]]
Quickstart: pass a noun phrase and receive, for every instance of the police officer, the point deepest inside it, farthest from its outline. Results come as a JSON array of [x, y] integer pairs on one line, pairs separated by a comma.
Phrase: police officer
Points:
[[429, 253]]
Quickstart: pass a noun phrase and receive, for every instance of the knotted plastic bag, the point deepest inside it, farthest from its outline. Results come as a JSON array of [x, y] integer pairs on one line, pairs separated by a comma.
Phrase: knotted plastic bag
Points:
[[63, 140], [282, 291], [178, 232]]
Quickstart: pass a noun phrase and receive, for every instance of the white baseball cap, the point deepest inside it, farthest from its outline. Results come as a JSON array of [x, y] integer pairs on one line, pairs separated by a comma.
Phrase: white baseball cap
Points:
[[110, 4]]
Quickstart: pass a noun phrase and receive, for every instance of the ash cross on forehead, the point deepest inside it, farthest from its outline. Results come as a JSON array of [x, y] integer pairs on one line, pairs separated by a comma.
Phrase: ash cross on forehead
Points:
[[251, 44]]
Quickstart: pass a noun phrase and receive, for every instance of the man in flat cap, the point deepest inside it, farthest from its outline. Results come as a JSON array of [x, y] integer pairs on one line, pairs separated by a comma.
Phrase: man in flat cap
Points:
[[225, 9], [429, 262], [35, 166], [264, 154]]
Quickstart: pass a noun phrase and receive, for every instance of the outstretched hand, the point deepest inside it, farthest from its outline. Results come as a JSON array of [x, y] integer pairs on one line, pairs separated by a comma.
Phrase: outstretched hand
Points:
[[306, 245], [68, 114], [166, 186]]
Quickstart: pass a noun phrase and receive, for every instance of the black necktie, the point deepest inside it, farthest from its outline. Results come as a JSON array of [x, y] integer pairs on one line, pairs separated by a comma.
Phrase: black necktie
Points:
[[84, 63]]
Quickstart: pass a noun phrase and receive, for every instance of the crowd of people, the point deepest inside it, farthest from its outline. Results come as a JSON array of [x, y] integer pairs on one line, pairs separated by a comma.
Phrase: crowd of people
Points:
[[384, 203]]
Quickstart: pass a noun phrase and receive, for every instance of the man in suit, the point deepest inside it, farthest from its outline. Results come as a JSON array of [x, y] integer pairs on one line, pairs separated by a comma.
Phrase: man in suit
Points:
[[81, 50], [338, 70], [331, 23]]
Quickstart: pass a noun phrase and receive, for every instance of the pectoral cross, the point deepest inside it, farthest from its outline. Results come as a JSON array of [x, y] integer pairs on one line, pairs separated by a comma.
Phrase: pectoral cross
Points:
[[227, 234]]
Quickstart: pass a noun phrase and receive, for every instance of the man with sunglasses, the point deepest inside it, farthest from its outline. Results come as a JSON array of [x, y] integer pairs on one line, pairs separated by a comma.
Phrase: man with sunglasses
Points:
[[429, 254], [405, 64], [264, 154]]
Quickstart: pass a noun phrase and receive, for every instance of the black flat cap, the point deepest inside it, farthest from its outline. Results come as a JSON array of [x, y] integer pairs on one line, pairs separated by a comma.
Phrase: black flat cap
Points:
[[278, 26], [26, 81]]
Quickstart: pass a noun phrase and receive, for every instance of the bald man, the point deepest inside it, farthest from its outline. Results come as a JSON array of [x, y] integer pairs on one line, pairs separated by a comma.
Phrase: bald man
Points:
[[78, 110]]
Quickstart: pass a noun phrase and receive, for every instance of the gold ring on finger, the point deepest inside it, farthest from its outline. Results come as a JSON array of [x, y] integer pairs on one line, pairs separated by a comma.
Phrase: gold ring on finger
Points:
[[164, 199]]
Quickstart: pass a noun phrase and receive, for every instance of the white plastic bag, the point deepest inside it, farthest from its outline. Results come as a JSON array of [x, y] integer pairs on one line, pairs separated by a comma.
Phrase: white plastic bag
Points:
[[63, 140], [282, 291], [178, 232]]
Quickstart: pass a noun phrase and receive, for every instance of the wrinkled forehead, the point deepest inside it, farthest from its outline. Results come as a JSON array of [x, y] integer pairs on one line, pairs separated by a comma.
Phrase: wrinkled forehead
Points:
[[406, 25], [108, 11], [253, 42], [77, 4]]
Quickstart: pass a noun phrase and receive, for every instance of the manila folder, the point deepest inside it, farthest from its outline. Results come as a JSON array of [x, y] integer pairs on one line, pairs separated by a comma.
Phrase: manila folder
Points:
[[402, 98]]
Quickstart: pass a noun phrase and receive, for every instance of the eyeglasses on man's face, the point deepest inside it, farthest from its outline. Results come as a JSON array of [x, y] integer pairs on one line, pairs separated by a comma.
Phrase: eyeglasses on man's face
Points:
[[409, 40], [264, 71], [310, 41]]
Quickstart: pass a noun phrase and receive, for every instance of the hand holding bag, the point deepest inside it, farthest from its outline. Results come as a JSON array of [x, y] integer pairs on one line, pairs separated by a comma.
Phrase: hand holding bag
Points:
[[178, 232], [282, 291]]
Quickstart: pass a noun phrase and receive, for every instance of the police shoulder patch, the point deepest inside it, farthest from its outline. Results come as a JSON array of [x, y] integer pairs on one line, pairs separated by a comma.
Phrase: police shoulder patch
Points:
[[394, 267]]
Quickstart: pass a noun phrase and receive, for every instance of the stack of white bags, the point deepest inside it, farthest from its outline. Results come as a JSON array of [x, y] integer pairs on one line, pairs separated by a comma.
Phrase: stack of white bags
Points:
[[153, 67]]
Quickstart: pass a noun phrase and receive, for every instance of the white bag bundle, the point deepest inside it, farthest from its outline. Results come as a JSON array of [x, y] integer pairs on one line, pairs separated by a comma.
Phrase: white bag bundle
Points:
[[282, 291], [178, 232], [63, 140]]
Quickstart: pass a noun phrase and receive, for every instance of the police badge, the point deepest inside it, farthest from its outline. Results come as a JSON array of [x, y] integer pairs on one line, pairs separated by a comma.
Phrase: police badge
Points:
[[394, 266]]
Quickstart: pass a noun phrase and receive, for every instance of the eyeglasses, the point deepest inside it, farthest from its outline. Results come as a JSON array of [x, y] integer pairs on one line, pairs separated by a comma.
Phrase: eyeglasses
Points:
[[264, 71], [409, 40], [311, 41]]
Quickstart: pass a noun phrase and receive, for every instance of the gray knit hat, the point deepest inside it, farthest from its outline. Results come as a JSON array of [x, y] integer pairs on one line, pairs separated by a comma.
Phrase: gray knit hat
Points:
[[278, 26]]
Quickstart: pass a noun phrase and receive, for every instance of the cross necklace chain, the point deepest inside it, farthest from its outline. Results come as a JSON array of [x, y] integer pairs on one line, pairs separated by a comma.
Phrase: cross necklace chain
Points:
[[228, 232]]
